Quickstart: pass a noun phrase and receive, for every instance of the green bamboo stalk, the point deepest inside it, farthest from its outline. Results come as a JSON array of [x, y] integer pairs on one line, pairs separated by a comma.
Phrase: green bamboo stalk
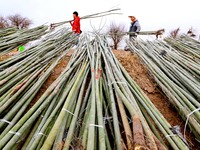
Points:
[[76, 112], [49, 141]]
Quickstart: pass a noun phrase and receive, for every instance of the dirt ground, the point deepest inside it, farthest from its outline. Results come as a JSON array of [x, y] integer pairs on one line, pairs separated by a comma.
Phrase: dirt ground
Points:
[[6, 56], [140, 74]]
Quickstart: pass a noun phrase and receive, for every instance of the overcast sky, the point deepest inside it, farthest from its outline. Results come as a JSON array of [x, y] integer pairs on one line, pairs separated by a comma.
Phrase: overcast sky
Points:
[[152, 14]]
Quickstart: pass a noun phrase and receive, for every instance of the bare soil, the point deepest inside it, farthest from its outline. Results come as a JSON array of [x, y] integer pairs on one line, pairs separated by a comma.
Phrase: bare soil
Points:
[[6, 56]]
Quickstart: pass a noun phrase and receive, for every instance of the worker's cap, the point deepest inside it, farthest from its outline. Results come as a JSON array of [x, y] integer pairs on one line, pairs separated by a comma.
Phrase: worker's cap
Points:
[[131, 16]]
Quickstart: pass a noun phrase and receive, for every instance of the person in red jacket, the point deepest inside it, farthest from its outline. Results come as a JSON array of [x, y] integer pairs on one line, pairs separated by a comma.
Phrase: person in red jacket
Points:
[[76, 26]]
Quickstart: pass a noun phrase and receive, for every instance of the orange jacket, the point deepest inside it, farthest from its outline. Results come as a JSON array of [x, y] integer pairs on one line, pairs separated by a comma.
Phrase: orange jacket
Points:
[[76, 26]]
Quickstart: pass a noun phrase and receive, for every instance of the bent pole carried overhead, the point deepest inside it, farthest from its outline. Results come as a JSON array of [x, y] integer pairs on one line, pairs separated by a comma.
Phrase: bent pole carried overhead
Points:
[[96, 15]]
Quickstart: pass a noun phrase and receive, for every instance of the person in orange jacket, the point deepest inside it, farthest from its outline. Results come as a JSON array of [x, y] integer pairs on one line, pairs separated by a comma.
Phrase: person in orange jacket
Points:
[[76, 26]]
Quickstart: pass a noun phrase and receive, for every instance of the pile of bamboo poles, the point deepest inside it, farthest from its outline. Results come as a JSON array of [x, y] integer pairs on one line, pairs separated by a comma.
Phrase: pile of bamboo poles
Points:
[[22, 76], [93, 104], [20, 37], [7, 31], [51, 41], [176, 69], [187, 45]]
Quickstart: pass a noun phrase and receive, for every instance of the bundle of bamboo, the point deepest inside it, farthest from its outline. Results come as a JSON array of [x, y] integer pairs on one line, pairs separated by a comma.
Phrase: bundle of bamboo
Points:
[[21, 37], [7, 31], [176, 71], [186, 45], [22, 77]]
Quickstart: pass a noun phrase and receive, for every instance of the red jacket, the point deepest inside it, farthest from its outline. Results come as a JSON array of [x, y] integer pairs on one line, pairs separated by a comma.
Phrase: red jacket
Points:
[[76, 27]]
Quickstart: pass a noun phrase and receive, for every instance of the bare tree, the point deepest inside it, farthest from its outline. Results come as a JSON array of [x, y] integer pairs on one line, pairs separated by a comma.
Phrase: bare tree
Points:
[[18, 21], [3, 22], [175, 33], [115, 31]]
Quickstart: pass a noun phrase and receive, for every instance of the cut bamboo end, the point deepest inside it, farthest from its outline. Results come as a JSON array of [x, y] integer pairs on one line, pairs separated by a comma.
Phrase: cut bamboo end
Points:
[[138, 134], [138, 147]]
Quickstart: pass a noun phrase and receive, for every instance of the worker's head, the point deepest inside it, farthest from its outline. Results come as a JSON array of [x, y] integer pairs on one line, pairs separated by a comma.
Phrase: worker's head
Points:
[[75, 14], [132, 18]]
